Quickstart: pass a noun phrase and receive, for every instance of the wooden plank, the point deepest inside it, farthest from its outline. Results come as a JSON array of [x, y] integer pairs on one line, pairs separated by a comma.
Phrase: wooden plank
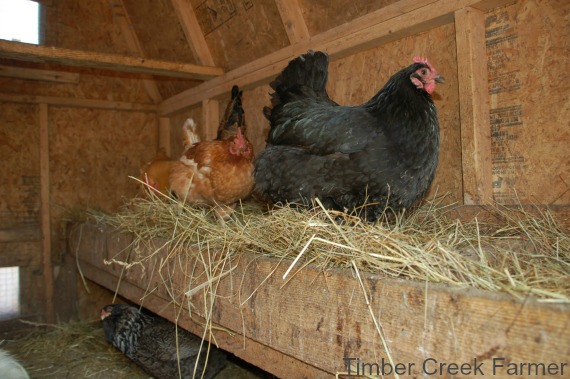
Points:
[[45, 213], [193, 32], [474, 106], [293, 21], [121, 17], [241, 346], [210, 119], [33, 53], [398, 20], [320, 318], [164, 134], [77, 103], [35, 74]]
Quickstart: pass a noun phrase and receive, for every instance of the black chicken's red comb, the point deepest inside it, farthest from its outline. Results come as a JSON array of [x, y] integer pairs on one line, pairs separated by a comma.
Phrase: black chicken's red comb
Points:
[[424, 61]]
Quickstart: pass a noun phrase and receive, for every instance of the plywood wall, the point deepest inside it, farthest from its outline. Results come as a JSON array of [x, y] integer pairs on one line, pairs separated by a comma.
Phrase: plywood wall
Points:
[[240, 31], [528, 52]]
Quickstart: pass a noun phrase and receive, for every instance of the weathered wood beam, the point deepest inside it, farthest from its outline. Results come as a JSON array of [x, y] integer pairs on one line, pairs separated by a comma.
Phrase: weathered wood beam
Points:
[[193, 32], [320, 318], [121, 17], [395, 21], [77, 103], [33, 53], [474, 106], [35, 74], [45, 213], [293, 21]]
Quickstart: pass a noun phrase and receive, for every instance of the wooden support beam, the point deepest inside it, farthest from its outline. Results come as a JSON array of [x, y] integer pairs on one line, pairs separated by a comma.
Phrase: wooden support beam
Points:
[[45, 214], [193, 32], [35, 74], [397, 20], [164, 135], [318, 318], [33, 53], [77, 103], [121, 17], [293, 21], [210, 119], [474, 106]]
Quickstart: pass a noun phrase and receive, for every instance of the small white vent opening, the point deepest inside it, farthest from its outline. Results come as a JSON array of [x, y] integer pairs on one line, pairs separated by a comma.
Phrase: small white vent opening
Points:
[[9, 292]]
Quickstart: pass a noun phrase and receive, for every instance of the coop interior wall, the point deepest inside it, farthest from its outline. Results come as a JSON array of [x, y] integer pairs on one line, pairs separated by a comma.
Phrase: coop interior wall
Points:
[[92, 152]]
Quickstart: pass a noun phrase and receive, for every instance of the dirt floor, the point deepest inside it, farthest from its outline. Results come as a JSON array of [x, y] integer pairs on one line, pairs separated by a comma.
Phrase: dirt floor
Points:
[[80, 350]]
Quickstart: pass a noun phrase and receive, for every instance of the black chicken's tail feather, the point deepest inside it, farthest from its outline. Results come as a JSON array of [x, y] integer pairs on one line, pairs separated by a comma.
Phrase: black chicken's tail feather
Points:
[[234, 116], [310, 70], [304, 76]]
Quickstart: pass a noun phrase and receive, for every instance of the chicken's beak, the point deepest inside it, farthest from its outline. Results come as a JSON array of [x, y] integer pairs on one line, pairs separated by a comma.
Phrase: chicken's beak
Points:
[[439, 79]]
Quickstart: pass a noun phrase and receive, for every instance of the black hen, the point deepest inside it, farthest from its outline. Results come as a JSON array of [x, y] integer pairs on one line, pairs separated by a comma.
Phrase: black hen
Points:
[[151, 342], [234, 116], [381, 154]]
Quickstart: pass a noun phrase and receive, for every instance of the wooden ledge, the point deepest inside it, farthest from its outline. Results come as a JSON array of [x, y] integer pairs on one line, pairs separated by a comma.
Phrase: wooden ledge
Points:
[[307, 325]]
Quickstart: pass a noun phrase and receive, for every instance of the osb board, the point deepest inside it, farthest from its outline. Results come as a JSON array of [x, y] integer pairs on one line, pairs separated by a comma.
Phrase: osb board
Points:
[[157, 27], [20, 167], [322, 15], [528, 46], [92, 155], [320, 318], [240, 31]]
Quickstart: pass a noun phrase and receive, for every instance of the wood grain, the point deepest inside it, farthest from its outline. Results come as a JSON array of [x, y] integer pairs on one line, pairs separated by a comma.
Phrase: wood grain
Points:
[[320, 318], [32, 53]]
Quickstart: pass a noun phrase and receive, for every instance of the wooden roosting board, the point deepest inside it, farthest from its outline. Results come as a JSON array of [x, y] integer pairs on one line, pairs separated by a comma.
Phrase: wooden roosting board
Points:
[[305, 326]]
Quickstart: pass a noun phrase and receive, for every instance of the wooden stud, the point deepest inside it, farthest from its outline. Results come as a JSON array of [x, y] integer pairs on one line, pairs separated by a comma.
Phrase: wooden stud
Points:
[[293, 21], [122, 18], [193, 32], [210, 119], [45, 214], [33, 53], [474, 106]]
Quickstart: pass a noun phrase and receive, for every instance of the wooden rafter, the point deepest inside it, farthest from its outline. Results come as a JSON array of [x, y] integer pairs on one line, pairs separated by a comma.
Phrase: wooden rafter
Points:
[[33, 53], [293, 21], [193, 32]]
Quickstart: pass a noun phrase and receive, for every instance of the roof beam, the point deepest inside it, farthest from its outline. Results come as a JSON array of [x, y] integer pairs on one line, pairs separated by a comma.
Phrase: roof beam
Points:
[[293, 21], [33, 53], [193, 32]]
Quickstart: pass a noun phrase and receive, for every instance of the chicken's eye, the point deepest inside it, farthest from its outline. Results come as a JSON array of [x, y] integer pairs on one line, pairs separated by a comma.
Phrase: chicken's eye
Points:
[[424, 71]]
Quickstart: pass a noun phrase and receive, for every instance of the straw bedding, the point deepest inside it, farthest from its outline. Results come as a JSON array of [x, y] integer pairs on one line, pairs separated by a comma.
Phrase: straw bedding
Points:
[[523, 254]]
